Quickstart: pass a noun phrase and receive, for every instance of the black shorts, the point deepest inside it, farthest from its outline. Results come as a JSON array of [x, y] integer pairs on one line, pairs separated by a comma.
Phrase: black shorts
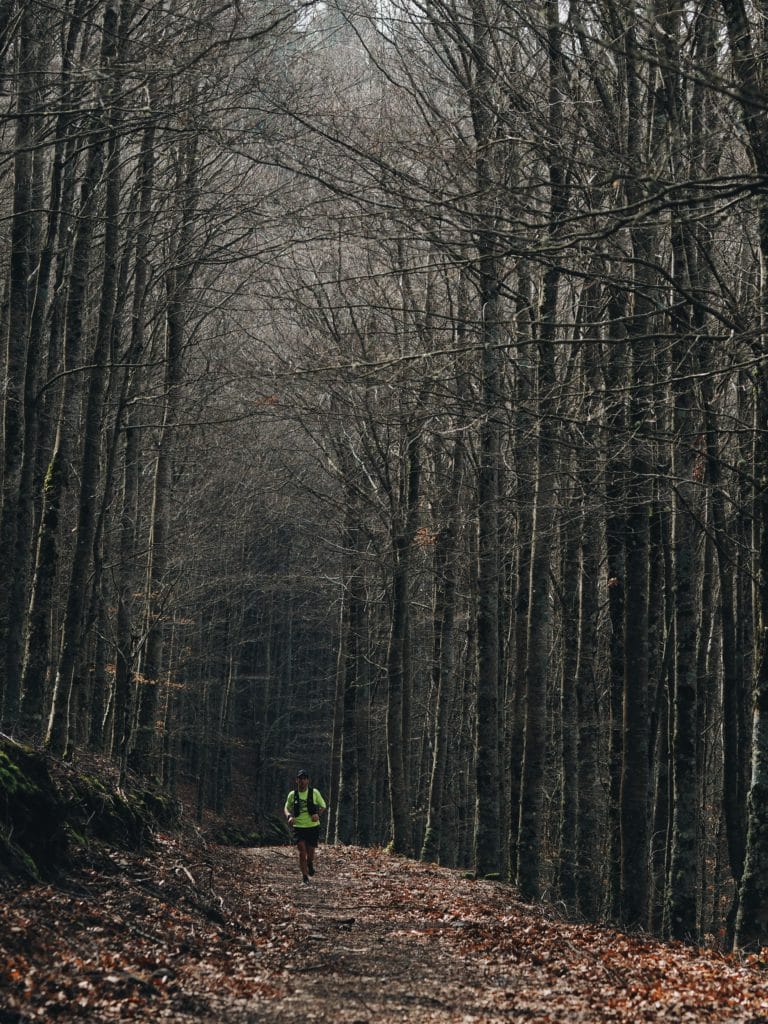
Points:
[[310, 836]]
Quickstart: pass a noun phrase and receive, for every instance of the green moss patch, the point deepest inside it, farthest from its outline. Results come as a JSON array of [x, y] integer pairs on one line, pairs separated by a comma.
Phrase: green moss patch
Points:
[[32, 835], [49, 810]]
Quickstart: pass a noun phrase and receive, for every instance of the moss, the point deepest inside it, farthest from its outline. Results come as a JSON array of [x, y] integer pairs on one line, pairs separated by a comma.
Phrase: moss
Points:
[[163, 809], [31, 819], [75, 837], [49, 810], [112, 817], [16, 862], [12, 779]]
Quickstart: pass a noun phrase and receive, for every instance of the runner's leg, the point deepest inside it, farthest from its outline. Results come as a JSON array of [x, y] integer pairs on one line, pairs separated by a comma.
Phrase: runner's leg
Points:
[[302, 848]]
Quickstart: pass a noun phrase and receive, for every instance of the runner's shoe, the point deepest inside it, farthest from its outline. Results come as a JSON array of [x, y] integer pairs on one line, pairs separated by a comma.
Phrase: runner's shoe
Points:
[[305, 879], [311, 869]]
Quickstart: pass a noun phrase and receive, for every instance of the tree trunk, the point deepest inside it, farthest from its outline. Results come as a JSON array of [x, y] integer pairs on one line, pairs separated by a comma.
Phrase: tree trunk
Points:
[[404, 528], [634, 772], [532, 824], [569, 721], [487, 854], [178, 281], [587, 697], [443, 653], [615, 534], [752, 917], [349, 780], [13, 552], [58, 727]]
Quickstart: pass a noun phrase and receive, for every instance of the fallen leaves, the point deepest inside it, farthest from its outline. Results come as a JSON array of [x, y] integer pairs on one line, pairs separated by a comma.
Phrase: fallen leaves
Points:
[[192, 931]]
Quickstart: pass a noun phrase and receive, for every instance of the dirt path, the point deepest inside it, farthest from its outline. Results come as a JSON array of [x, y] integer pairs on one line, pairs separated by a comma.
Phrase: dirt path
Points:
[[381, 939], [187, 932], [372, 952]]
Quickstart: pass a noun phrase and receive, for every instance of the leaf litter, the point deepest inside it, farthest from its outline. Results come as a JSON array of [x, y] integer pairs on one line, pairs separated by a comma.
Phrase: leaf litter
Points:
[[194, 932]]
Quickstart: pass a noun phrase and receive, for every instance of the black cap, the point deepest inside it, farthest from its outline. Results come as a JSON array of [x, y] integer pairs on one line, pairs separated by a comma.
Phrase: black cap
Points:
[[302, 773]]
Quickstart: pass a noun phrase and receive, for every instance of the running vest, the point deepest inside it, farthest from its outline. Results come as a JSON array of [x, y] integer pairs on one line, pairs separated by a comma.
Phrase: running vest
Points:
[[311, 809]]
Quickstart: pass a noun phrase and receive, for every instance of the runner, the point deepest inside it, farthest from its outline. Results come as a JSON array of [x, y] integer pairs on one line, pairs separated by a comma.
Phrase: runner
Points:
[[303, 808]]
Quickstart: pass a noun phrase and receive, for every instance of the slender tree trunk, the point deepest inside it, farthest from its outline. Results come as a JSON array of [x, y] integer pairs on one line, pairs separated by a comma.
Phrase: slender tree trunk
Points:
[[682, 895], [587, 698], [615, 533], [443, 654], [404, 529], [532, 824], [569, 721], [178, 281], [487, 855], [57, 738], [17, 369], [634, 774], [332, 817], [518, 658], [38, 641], [58, 200], [125, 582], [365, 761], [752, 917], [349, 781]]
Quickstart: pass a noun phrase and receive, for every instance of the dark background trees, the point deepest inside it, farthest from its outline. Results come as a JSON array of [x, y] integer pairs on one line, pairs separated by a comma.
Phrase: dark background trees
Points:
[[384, 390]]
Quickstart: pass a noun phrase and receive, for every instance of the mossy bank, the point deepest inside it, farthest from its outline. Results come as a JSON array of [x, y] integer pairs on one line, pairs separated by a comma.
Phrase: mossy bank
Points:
[[50, 810]]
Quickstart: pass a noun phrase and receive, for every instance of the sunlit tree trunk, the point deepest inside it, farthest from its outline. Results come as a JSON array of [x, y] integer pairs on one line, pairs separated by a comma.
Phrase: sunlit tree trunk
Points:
[[443, 668], [177, 282], [641, 419], [487, 854], [59, 723], [569, 722], [349, 780], [614, 374], [531, 829], [124, 574], [518, 656], [38, 653], [403, 532], [589, 802], [752, 917], [683, 869], [19, 375]]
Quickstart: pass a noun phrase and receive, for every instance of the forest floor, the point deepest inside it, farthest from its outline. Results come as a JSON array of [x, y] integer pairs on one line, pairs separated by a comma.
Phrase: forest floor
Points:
[[193, 932]]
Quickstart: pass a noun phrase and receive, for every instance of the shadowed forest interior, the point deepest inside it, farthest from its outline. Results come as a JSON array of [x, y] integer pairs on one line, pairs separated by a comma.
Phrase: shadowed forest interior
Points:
[[385, 391]]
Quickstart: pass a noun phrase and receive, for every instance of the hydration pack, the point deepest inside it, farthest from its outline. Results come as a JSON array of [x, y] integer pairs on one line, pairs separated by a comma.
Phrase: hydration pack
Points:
[[310, 802]]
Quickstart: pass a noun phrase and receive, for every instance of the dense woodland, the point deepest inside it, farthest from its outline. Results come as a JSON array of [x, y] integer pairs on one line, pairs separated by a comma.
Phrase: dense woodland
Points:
[[385, 390]]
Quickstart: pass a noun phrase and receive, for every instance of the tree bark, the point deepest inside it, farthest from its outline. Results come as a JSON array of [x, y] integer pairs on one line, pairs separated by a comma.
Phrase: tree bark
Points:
[[177, 282], [532, 824], [443, 670], [487, 852], [752, 917], [404, 529], [17, 416], [57, 738]]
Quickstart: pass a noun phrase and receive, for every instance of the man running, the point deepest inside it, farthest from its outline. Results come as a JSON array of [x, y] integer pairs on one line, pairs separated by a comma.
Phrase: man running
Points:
[[303, 808]]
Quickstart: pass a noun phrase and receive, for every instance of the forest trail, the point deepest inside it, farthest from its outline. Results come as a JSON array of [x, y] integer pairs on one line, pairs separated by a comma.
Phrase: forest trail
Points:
[[211, 934], [372, 950], [388, 940]]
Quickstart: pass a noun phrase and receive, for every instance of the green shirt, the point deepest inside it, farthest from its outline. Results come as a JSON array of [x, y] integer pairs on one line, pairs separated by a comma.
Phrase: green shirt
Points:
[[303, 820]]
